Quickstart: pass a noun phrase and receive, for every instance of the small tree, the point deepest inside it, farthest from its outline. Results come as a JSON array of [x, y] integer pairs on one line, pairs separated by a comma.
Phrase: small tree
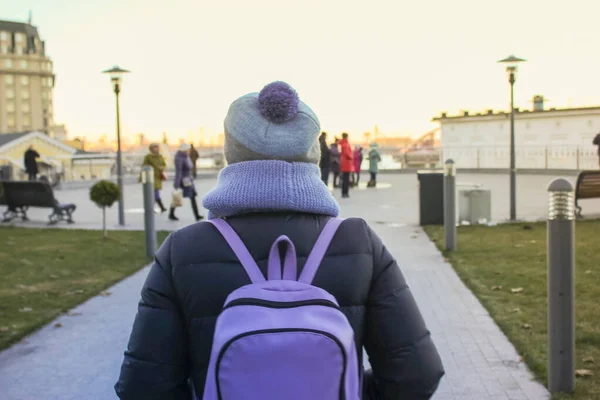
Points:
[[104, 194]]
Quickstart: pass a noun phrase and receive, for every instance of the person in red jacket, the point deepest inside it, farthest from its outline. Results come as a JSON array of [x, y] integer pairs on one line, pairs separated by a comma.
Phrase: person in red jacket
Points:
[[347, 164]]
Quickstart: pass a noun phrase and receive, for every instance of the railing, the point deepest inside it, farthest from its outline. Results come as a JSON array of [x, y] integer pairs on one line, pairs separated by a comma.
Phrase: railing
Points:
[[526, 157]]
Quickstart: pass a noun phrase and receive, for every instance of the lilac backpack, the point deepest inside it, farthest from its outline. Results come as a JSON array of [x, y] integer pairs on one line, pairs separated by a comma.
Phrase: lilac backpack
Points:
[[282, 338]]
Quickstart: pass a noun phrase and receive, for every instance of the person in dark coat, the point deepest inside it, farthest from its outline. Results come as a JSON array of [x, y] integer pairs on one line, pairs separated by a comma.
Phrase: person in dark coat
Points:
[[184, 180], [195, 269], [335, 163], [325, 163], [194, 156], [30, 161], [597, 143]]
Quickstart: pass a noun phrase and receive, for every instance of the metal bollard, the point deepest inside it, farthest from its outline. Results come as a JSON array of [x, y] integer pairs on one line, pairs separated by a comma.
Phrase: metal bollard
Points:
[[450, 205], [149, 228], [561, 287]]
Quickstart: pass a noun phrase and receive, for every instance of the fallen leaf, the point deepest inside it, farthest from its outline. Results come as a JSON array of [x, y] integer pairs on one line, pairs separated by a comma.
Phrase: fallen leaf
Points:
[[414, 237], [22, 287], [74, 314], [79, 291], [582, 373], [105, 293], [25, 309], [526, 326], [26, 261], [58, 325], [496, 287], [53, 277], [515, 310], [588, 360], [4, 328], [521, 359], [533, 241], [516, 290], [518, 245], [589, 271]]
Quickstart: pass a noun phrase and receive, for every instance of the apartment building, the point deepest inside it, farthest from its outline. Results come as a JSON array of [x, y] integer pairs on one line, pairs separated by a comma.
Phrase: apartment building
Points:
[[26, 80]]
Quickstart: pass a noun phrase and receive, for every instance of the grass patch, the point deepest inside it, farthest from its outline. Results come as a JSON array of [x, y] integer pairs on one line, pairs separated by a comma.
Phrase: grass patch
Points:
[[46, 272], [510, 256]]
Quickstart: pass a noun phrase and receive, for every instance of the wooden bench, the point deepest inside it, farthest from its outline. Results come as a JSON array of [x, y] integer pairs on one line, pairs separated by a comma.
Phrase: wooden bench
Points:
[[19, 196], [587, 187]]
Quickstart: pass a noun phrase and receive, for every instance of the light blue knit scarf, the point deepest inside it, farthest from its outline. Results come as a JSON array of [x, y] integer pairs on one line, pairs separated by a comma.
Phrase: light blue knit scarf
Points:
[[267, 186]]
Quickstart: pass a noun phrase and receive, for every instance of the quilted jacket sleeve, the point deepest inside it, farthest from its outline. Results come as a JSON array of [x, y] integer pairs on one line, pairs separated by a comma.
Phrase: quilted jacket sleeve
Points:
[[405, 363], [155, 364]]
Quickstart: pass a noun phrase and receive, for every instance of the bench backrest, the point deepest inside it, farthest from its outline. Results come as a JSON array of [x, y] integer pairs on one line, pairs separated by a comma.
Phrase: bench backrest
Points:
[[588, 185], [32, 194]]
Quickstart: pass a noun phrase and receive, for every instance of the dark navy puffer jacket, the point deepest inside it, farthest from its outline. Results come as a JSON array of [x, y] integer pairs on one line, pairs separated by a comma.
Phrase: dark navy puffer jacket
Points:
[[195, 270]]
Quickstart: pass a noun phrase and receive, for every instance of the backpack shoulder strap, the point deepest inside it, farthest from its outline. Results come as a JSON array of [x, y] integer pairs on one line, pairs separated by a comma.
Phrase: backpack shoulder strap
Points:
[[239, 249], [318, 252]]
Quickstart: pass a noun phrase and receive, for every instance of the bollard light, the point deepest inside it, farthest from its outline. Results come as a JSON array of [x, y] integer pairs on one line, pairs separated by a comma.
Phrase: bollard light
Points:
[[450, 168], [561, 286], [561, 201], [450, 205], [149, 223]]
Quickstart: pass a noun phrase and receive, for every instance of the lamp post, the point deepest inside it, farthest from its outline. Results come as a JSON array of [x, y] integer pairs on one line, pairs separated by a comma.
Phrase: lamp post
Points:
[[511, 68], [116, 75]]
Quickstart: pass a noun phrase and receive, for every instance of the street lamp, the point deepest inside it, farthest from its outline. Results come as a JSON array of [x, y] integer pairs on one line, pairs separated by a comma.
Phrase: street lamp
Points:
[[116, 75], [511, 68]]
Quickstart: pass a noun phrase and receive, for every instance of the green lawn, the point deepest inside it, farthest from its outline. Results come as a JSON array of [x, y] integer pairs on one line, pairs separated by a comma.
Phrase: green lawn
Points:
[[493, 260], [46, 272]]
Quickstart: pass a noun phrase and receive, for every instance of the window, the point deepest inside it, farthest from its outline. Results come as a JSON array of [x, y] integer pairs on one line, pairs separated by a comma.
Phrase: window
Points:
[[19, 50], [10, 93], [44, 95], [25, 107], [26, 120], [8, 63], [9, 79], [10, 120], [3, 36], [19, 38], [25, 94], [10, 106], [24, 64], [24, 80]]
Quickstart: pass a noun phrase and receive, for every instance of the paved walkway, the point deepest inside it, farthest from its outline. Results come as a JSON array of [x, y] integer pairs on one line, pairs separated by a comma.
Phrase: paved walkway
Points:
[[81, 359]]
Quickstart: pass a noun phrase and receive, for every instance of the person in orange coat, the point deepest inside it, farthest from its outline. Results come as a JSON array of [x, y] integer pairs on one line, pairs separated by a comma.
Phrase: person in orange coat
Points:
[[347, 164]]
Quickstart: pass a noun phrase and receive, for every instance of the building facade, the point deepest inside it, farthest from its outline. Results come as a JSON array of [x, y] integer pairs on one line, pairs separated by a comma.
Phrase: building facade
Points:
[[58, 161], [26, 80], [544, 138]]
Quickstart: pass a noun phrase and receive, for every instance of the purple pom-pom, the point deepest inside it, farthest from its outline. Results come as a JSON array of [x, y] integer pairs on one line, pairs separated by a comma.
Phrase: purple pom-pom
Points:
[[278, 102]]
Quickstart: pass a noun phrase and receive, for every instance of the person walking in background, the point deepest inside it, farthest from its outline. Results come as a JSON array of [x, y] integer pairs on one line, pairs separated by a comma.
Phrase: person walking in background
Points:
[[346, 165], [274, 134], [184, 180], [358, 159], [374, 159], [157, 162], [597, 143], [325, 162], [194, 157], [30, 161], [335, 163]]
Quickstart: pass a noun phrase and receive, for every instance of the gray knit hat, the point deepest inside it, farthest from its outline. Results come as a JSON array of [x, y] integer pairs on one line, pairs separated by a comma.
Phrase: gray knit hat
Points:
[[271, 125]]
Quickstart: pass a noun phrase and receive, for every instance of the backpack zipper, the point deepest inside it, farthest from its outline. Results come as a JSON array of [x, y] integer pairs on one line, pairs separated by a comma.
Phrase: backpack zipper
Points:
[[282, 330], [247, 301]]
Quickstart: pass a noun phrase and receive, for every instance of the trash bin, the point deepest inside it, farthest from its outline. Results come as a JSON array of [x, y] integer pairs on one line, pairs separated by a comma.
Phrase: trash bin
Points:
[[475, 206], [431, 197], [5, 172]]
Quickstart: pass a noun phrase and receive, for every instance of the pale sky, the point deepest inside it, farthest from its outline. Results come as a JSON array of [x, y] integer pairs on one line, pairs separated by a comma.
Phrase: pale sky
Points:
[[355, 63]]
